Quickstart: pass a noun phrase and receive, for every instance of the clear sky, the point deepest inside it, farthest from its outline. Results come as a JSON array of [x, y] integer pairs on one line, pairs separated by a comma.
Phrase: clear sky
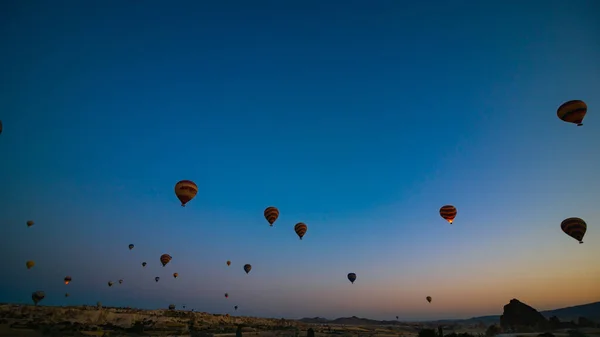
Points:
[[359, 118]]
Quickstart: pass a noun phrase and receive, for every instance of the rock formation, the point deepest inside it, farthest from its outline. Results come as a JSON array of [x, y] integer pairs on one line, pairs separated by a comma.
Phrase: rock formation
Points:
[[519, 317]]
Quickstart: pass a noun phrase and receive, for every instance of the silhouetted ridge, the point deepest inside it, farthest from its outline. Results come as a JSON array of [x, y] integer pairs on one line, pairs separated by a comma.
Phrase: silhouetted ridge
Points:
[[519, 317]]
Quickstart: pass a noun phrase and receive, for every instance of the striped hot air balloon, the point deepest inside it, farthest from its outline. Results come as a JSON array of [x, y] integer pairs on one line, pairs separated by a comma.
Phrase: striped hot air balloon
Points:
[[67, 279], [175, 275], [352, 277], [574, 227], [271, 214], [300, 229], [247, 268], [165, 258], [448, 212], [185, 190], [572, 112]]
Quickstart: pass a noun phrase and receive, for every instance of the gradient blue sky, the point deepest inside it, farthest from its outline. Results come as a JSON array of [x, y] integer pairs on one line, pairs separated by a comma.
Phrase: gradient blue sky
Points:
[[359, 118]]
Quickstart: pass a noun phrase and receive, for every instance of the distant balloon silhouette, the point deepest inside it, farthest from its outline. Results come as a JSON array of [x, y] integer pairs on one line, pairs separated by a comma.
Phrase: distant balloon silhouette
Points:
[[143, 264], [247, 268], [30, 223], [156, 279], [271, 214], [228, 263], [171, 306], [67, 279], [352, 277], [574, 227], [131, 246], [572, 112], [165, 258], [185, 190], [300, 229], [37, 296], [428, 298], [110, 283], [29, 264], [448, 212]]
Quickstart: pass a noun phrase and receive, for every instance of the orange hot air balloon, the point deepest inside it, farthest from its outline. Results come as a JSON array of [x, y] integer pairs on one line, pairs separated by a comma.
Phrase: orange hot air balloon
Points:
[[572, 112], [300, 229], [448, 212], [175, 275], [29, 264], [228, 263], [185, 190], [165, 258], [574, 227], [67, 279], [271, 214]]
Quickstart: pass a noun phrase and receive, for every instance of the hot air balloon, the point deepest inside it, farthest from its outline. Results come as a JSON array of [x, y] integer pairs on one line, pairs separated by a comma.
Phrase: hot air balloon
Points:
[[352, 277], [29, 264], [171, 306], [156, 279], [110, 283], [30, 223], [226, 295], [165, 258], [396, 317], [67, 279], [0, 127], [121, 281], [247, 268], [143, 264], [448, 212], [37, 296], [572, 112], [131, 246], [185, 190], [428, 299], [184, 306], [228, 263], [175, 275], [235, 308], [66, 294], [574, 227], [271, 214], [300, 229]]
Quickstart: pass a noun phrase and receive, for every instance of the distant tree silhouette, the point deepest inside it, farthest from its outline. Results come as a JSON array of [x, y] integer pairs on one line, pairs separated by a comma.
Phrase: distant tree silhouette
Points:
[[427, 333], [441, 331], [492, 330]]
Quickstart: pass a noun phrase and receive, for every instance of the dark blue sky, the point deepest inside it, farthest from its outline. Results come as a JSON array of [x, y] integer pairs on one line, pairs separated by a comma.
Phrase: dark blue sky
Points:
[[359, 118]]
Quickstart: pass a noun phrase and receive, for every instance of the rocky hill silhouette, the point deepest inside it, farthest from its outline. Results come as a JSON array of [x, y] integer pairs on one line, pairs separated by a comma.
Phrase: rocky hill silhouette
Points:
[[590, 311]]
